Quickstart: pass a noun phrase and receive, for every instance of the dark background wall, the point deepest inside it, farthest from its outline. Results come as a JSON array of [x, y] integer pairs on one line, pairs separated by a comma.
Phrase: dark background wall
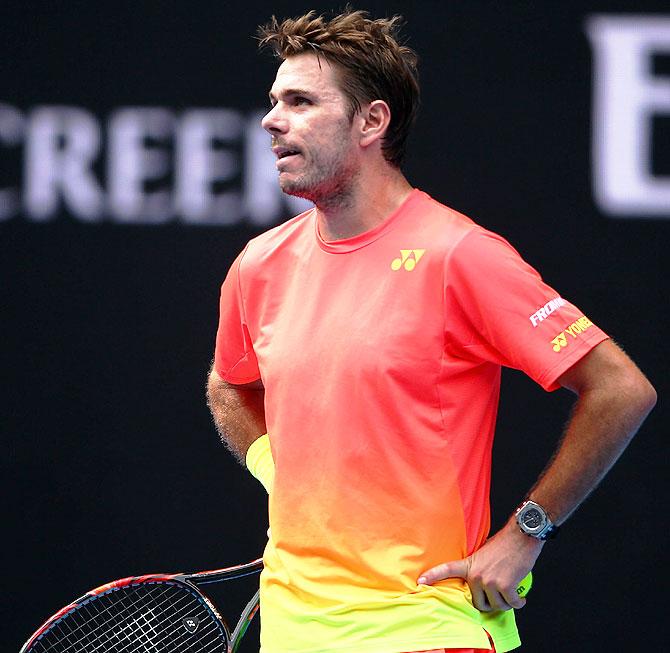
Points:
[[111, 465]]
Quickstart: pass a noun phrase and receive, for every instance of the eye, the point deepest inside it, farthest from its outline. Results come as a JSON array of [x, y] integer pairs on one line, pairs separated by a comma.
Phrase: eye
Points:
[[299, 99]]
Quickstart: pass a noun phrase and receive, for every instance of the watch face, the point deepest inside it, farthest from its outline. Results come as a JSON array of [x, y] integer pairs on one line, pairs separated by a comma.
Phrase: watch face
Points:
[[533, 518], [534, 521]]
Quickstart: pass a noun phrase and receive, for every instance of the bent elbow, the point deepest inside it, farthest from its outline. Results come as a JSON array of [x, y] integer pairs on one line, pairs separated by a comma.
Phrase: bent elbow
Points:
[[648, 396], [639, 394]]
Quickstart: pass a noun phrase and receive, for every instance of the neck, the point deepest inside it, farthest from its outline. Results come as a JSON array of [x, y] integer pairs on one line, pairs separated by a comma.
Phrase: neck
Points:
[[368, 202]]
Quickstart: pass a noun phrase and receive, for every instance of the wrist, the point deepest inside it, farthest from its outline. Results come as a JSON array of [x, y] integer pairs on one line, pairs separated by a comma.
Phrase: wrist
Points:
[[529, 547]]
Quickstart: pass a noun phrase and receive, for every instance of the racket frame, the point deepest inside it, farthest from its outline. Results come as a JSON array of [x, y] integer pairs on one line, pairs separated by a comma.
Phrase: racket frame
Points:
[[192, 580]]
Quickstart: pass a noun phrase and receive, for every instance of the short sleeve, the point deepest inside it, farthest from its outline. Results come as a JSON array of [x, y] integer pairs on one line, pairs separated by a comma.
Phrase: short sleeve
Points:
[[234, 357], [499, 310]]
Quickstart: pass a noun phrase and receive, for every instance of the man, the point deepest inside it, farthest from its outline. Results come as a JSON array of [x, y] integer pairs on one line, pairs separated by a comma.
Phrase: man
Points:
[[366, 338]]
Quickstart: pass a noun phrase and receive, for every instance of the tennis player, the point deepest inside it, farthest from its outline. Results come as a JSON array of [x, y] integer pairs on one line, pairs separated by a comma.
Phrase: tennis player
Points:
[[365, 337]]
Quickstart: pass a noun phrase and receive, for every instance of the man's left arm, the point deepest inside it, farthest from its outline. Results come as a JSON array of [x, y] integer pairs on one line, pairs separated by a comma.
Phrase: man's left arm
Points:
[[614, 397]]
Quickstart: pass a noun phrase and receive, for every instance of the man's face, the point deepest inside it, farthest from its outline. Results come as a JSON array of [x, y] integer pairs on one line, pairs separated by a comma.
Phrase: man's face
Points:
[[312, 134]]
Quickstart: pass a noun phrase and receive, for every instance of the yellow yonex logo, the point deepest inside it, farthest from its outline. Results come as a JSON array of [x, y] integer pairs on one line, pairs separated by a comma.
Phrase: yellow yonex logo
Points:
[[577, 327], [559, 342], [408, 259]]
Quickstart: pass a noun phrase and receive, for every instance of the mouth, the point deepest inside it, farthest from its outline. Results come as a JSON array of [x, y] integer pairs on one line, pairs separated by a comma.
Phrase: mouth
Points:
[[286, 158], [284, 152]]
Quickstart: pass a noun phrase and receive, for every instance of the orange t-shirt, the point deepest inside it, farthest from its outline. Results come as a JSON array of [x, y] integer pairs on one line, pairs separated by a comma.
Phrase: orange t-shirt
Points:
[[381, 357]]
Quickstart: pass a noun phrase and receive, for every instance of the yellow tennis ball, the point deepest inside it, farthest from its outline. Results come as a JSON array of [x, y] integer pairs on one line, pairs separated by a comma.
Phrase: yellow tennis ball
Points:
[[525, 585]]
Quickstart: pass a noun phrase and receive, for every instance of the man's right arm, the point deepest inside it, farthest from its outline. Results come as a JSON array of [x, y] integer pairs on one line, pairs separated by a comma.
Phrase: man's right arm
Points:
[[238, 412]]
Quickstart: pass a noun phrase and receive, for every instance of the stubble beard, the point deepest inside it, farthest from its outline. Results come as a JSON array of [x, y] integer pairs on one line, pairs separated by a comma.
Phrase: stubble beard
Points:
[[328, 184]]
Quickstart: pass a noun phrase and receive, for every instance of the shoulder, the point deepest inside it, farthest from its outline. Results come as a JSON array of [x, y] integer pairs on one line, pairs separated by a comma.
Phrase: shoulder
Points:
[[467, 248], [296, 233], [456, 232], [427, 209], [485, 248]]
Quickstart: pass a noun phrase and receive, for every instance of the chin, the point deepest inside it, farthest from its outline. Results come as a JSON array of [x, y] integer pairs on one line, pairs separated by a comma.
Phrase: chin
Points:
[[316, 190], [297, 189]]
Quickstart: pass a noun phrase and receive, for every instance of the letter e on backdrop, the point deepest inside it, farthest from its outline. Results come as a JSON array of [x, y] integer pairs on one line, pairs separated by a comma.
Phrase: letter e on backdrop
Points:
[[626, 97]]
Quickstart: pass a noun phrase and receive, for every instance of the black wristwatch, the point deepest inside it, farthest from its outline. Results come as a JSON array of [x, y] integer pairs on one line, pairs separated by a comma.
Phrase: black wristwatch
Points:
[[533, 520]]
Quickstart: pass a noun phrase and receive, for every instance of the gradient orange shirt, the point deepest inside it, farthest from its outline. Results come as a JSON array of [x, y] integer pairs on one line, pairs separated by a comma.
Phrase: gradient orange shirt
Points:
[[381, 358]]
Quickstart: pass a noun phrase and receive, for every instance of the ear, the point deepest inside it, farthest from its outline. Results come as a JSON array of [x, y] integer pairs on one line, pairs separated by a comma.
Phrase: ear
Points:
[[374, 121]]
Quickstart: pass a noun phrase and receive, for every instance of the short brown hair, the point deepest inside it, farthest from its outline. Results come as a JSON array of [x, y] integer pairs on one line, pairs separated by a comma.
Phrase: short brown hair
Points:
[[373, 64]]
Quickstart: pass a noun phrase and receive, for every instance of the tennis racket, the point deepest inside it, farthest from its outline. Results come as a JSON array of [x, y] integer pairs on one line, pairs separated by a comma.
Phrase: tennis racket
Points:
[[147, 614]]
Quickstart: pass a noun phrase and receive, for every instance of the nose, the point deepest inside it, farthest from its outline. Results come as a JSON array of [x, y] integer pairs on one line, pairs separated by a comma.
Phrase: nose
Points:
[[273, 122]]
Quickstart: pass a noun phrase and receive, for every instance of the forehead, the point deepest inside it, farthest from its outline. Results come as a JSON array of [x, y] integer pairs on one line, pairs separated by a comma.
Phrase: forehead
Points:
[[306, 72]]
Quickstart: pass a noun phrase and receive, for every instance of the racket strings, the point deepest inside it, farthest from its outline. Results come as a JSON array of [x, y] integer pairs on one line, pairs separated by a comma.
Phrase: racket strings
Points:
[[83, 629], [140, 628], [138, 618], [93, 630]]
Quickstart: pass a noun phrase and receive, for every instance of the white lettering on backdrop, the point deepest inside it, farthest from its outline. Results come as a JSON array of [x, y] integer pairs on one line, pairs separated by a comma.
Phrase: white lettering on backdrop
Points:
[[147, 165], [626, 97]]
